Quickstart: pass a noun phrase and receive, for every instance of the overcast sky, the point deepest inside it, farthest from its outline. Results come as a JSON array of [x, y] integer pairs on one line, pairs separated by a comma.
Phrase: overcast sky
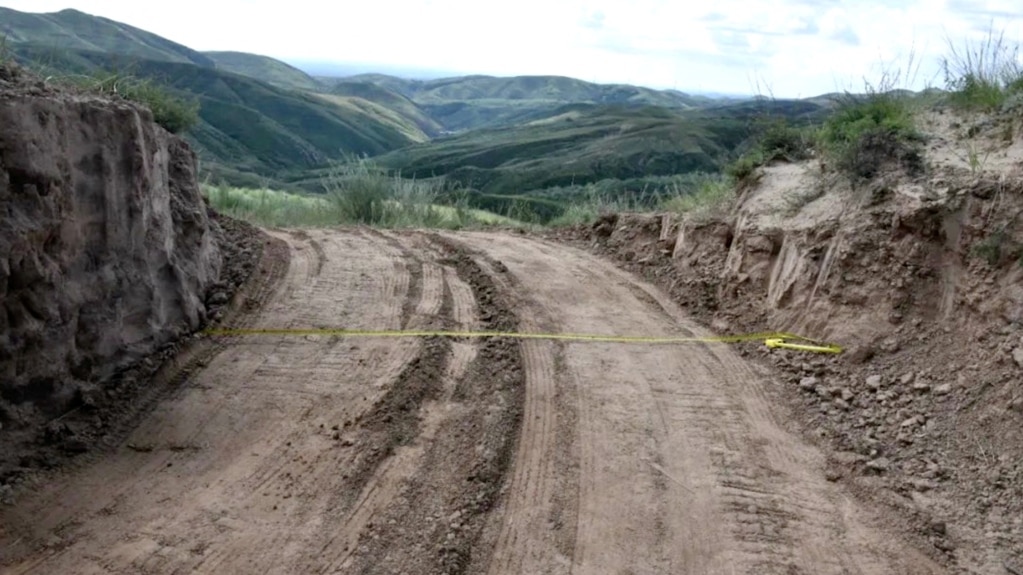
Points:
[[790, 48]]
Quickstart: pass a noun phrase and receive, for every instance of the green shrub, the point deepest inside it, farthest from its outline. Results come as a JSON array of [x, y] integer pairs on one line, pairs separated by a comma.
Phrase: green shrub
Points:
[[589, 206], [177, 115], [871, 131], [742, 168], [780, 139]]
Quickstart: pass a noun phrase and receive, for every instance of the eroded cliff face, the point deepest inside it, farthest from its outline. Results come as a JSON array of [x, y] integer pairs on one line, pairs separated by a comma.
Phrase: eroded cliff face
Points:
[[106, 250]]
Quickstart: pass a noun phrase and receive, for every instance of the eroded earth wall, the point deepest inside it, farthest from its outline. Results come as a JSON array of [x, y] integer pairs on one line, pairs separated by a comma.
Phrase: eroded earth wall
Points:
[[106, 249]]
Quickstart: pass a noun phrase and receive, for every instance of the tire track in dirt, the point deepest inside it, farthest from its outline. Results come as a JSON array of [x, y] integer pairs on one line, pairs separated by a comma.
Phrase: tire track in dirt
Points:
[[434, 526], [296, 357], [405, 463], [383, 437], [242, 470], [684, 467], [783, 522], [542, 496]]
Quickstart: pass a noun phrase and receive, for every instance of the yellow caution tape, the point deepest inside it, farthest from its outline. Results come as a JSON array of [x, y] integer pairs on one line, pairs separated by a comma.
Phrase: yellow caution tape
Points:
[[780, 340]]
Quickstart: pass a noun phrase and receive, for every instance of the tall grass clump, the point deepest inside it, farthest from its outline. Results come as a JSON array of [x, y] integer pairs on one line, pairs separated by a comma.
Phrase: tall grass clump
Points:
[[363, 193], [982, 75], [589, 206], [872, 131], [357, 193], [271, 208]]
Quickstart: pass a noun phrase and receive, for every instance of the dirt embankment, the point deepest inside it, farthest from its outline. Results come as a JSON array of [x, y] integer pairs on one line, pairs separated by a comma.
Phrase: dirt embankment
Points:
[[922, 281], [107, 256]]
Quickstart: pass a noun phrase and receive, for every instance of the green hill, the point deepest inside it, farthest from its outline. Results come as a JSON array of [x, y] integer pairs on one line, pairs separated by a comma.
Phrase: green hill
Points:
[[263, 121], [556, 89], [579, 144], [264, 68], [71, 30], [391, 100], [249, 130], [586, 143]]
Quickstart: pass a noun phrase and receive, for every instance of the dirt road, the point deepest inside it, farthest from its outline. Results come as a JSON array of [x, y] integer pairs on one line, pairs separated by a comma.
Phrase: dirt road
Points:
[[323, 454]]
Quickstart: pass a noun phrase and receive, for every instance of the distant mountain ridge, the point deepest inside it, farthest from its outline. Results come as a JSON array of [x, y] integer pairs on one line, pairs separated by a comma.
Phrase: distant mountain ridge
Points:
[[559, 89]]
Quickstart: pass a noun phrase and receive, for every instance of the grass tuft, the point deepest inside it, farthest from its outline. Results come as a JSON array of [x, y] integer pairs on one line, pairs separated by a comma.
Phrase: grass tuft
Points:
[[713, 195], [363, 193], [271, 208], [983, 75], [589, 206], [176, 114], [774, 138]]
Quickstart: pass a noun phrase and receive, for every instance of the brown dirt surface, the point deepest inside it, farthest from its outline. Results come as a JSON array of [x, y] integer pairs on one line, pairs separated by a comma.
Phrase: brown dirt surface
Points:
[[330, 454], [102, 418]]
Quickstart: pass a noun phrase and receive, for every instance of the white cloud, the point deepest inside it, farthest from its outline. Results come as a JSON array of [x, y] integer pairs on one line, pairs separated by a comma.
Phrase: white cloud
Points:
[[797, 47]]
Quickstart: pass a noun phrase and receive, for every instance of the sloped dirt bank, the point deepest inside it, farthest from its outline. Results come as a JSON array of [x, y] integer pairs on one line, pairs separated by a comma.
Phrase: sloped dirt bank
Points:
[[923, 284]]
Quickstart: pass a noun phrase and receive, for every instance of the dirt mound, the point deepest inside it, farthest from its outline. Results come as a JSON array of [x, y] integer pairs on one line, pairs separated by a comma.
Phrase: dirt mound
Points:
[[107, 256], [920, 280]]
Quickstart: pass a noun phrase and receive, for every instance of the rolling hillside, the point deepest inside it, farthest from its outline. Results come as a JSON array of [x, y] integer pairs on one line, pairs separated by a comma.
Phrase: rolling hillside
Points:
[[71, 30], [391, 100], [585, 143], [557, 89], [264, 68], [250, 130], [263, 121], [472, 102]]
